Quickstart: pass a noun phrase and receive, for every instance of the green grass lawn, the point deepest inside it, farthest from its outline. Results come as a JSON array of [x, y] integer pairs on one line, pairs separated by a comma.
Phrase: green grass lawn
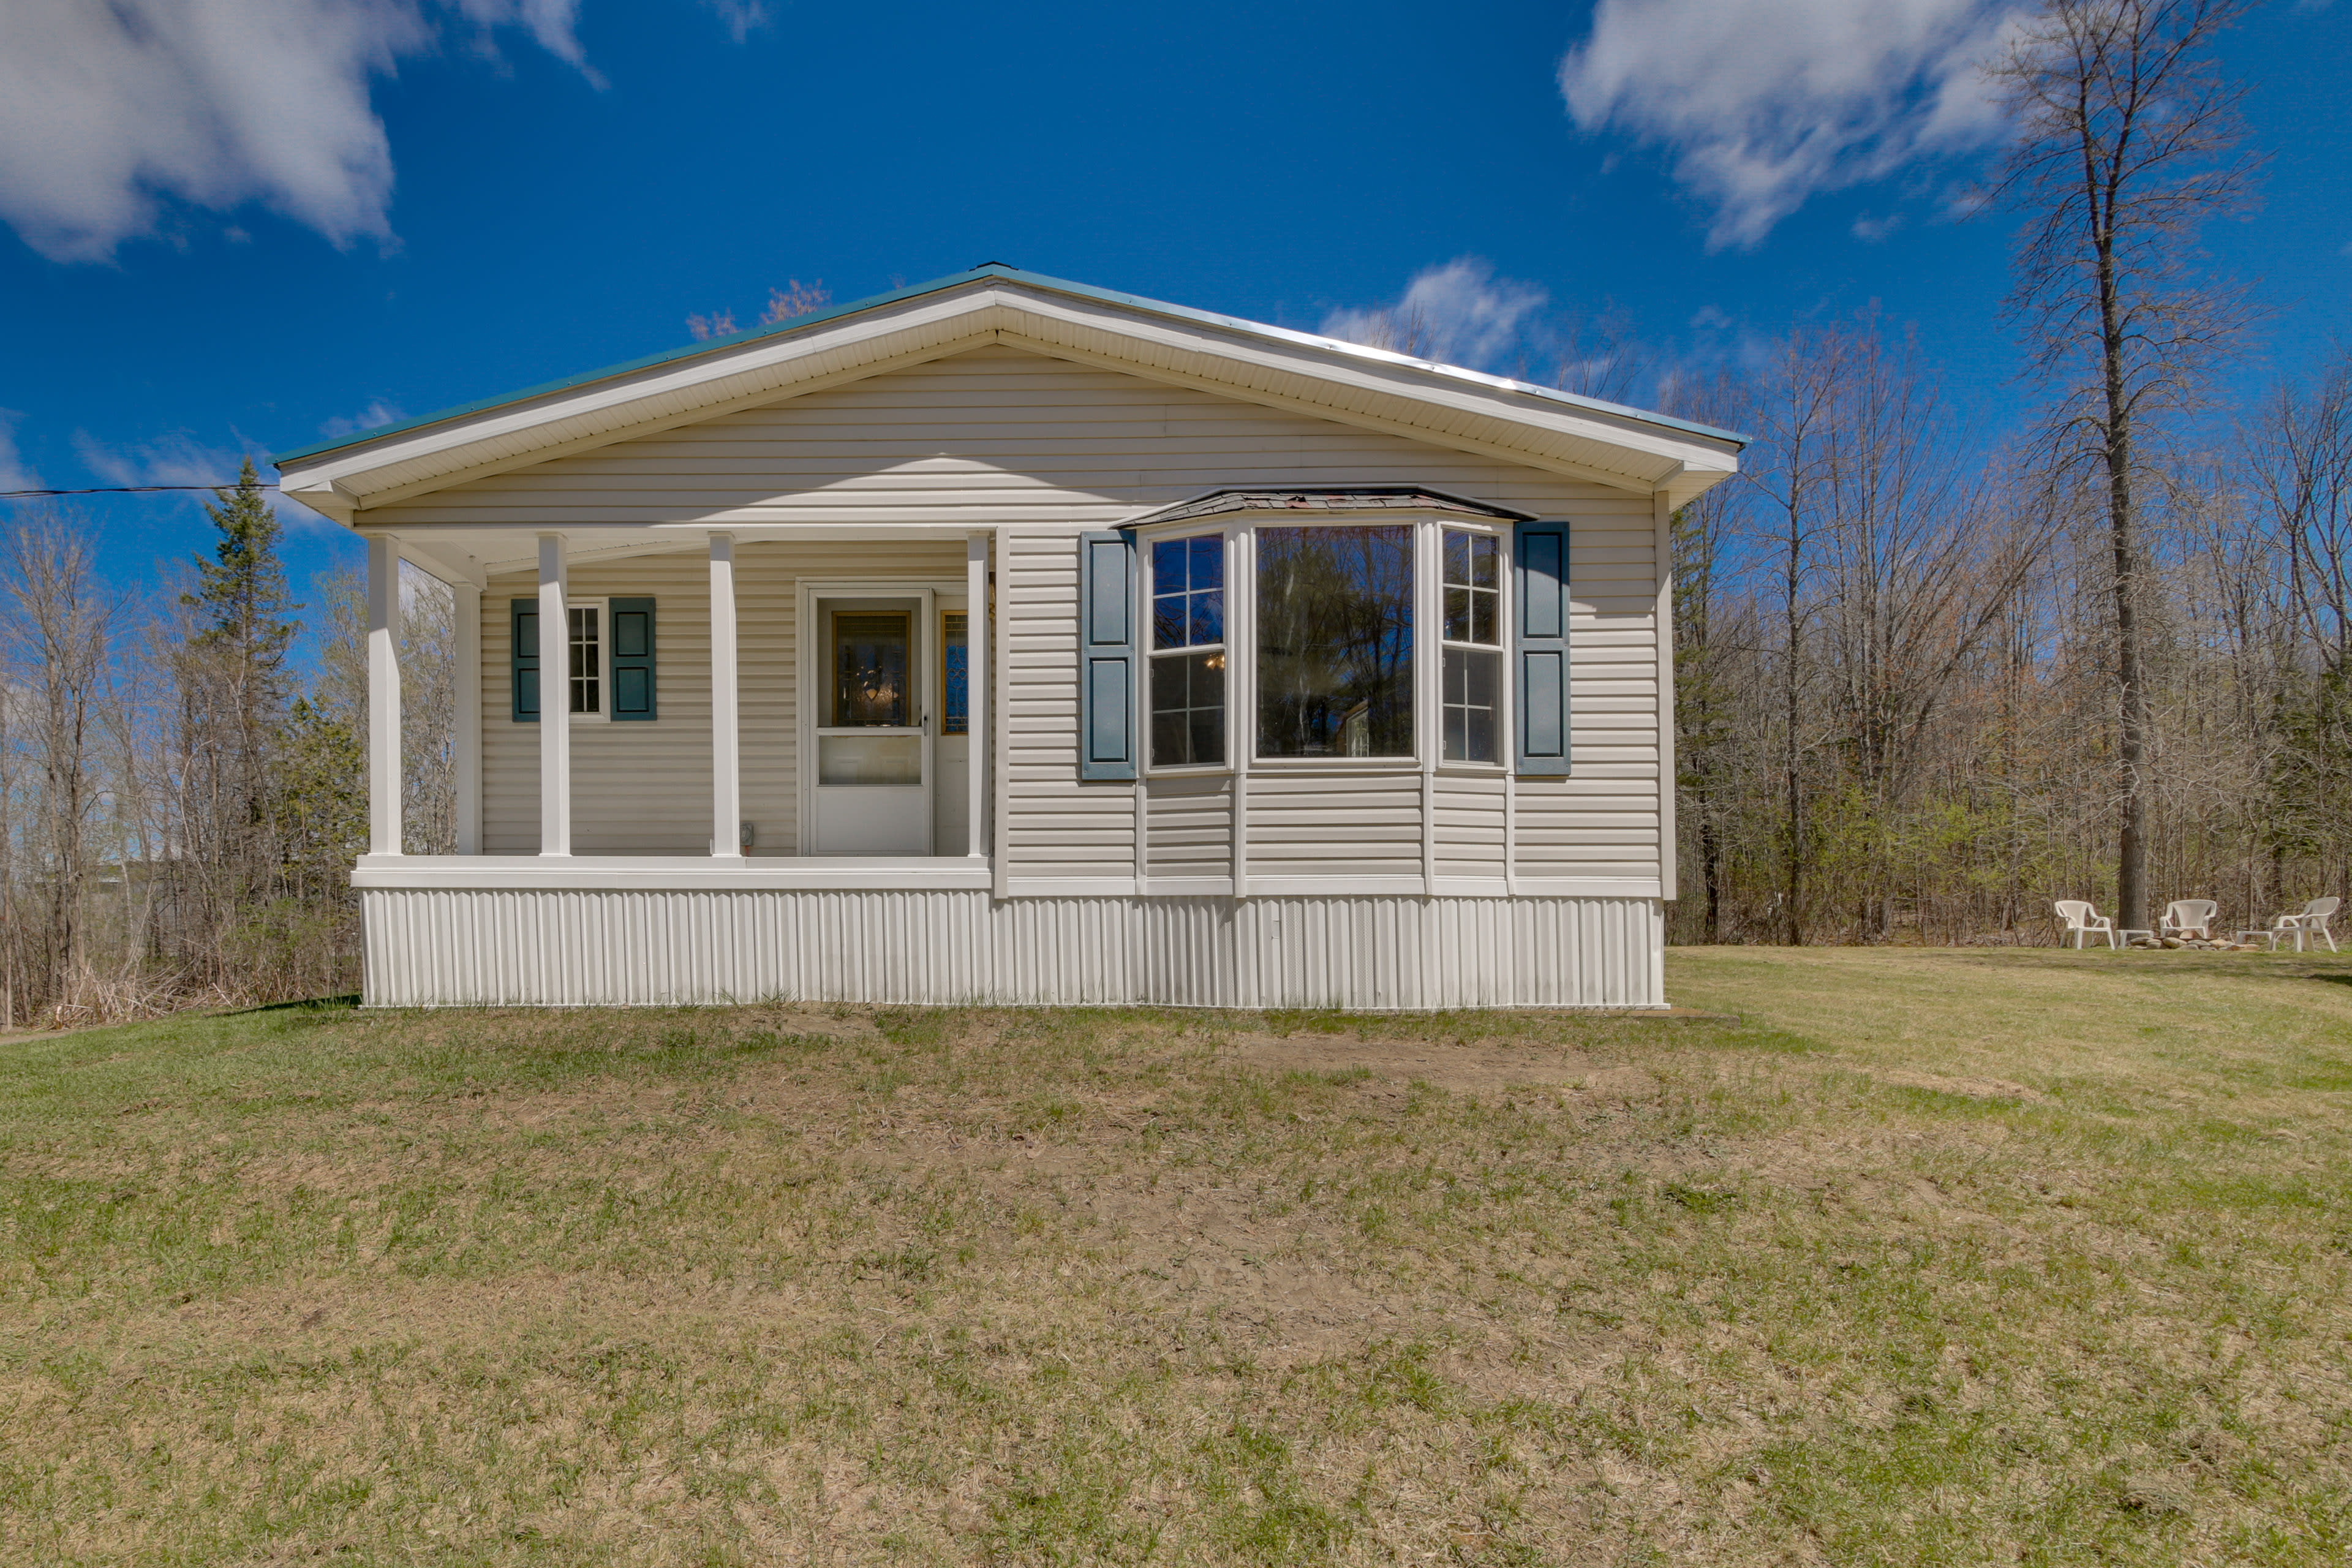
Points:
[[1934, 1257]]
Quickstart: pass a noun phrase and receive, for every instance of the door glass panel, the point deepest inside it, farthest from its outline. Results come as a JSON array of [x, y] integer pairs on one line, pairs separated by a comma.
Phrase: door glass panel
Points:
[[869, 669], [955, 676], [870, 760]]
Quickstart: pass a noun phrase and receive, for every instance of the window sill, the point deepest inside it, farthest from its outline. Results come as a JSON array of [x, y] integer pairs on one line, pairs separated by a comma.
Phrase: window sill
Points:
[[1336, 765]]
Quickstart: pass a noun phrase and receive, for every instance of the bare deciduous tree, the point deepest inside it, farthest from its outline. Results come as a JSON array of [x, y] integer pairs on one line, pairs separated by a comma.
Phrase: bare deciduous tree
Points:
[[56, 638], [2128, 143]]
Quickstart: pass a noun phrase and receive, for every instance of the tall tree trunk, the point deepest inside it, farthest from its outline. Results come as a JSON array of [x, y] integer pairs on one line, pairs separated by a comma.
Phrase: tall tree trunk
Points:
[[2131, 684]]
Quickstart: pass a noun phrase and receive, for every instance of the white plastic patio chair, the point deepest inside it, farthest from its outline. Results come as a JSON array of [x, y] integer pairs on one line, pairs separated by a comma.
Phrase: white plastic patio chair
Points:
[[2083, 921], [2310, 921], [2188, 917]]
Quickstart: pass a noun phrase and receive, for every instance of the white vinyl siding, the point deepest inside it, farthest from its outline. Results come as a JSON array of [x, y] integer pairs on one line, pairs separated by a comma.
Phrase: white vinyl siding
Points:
[[644, 789], [1055, 827], [1470, 826], [1045, 449], [1342, 824], [665, 946], [1190, 822]]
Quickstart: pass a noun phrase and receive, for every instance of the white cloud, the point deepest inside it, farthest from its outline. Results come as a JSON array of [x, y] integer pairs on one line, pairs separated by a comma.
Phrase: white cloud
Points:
[[1766, 102], [378, 413], [740, 16], [15, 474], [112, 110], [172, 460], [182, 459], [1459, 313]]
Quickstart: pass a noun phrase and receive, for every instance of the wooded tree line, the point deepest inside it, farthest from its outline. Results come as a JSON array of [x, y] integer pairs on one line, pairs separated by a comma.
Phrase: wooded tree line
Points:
[[1928, 682], [1896, 711], [180, 804]]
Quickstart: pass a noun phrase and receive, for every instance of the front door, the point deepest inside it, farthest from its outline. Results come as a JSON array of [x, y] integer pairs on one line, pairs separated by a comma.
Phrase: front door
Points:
[[872, 791]]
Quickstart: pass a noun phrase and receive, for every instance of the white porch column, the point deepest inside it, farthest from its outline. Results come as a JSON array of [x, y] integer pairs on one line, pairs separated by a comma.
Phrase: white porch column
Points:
[[976, 689], [466, 743], [555, 701], [726, 745], [383, 694]]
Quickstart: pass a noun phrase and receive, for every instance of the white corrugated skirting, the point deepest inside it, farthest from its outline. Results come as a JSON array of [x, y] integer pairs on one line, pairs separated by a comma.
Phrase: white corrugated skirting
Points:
[[442, 947]]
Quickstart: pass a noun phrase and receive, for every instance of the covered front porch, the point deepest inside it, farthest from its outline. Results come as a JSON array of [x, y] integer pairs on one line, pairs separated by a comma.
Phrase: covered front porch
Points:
[[719, 708]]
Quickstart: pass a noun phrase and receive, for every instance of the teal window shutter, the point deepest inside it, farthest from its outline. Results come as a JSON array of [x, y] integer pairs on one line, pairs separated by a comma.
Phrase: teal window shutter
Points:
[[522, 658], [1540, 647], [1106, 656], [633, 658]]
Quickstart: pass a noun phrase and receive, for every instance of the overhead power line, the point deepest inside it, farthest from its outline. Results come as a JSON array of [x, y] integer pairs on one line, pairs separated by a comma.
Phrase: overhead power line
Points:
[[129, 489]]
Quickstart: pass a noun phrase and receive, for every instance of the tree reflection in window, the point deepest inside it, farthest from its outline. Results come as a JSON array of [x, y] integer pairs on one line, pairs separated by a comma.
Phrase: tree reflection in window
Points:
[[869, 683], [1335, 642]]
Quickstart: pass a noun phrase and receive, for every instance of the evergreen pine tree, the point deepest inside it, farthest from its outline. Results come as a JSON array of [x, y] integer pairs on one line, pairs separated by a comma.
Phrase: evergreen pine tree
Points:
[[233, 693], [242, 591]]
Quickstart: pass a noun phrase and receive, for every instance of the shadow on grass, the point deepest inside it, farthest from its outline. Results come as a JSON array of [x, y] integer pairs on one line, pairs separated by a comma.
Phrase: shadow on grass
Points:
[[319, 1004]]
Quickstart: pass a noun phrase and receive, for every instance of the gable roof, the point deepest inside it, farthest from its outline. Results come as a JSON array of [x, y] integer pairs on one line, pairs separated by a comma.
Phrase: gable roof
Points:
[[1347, 382]]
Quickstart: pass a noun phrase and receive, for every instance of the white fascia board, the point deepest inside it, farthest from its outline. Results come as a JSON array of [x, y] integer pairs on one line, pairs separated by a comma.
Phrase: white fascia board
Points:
[[329, 499], [1363, 386], [1397, 389], [531, 431]]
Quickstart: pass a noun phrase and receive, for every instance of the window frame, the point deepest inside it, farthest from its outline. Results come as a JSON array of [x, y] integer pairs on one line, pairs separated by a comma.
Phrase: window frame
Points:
[[603, 605], [1505, 715], [1240, 537], [1146, 579]]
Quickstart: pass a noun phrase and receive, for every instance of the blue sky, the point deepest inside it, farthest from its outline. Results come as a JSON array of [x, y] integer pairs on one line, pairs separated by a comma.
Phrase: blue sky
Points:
[[316, 214]]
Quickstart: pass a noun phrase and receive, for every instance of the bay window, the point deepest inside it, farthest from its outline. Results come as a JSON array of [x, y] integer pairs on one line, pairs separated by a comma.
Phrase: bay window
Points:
[[1333, 643]]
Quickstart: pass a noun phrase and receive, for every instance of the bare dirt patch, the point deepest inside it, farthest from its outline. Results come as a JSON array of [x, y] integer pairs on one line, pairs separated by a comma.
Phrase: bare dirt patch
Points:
[[1470, 1068]]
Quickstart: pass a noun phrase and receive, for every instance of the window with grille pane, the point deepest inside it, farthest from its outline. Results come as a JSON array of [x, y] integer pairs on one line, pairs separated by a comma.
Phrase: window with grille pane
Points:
[[1471, 670], [587, 660], [1188, 651]]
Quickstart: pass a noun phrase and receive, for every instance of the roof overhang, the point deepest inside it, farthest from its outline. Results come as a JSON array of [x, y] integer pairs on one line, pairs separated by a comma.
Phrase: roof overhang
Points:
[[1331, 501], [1372, 388]]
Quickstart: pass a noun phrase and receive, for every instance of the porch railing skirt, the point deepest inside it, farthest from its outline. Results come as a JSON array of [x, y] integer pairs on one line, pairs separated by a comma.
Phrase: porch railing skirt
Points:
[[539, 947]]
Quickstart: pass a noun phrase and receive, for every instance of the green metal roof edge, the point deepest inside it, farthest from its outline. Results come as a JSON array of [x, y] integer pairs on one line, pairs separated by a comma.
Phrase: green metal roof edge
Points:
[[1058, 285]]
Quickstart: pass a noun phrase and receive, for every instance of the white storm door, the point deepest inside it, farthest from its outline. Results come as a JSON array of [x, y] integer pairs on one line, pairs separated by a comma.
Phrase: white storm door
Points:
[[872, 788]]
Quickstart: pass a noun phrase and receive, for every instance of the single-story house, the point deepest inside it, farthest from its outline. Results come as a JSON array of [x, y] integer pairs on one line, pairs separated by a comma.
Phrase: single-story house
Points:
[[1004, 639]]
